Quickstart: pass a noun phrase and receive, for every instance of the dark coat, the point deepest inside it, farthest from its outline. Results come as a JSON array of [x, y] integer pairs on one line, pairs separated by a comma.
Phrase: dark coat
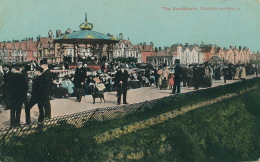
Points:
[[178, 72], [39, 92], [121, 76], [47, 75], [196, 73], [6, 78], [80, 76], [17, 90]]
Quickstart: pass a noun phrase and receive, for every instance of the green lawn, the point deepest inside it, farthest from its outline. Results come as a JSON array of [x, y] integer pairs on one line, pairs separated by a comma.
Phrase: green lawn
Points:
[[224, 131]]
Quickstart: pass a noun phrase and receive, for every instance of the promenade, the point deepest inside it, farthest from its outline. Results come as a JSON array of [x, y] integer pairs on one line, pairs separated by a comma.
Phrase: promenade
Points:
[[64, 106]]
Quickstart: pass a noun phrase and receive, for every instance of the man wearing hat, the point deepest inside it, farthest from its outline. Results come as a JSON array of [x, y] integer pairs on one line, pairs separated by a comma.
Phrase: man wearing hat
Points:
[[37, 95], [48, 90], [79, 80], [121, 78], [16, 95], [177, 77], [6, 77]]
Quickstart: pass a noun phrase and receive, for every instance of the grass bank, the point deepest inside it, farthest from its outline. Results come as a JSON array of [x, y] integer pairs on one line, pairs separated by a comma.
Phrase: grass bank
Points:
[[226, 130]]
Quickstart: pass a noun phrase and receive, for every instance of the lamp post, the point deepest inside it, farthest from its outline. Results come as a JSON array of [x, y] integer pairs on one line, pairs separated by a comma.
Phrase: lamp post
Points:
[[234, 58]]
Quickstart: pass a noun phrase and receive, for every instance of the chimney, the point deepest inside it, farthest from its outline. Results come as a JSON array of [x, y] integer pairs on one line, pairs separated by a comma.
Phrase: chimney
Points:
[[38, 38], [121, 36]]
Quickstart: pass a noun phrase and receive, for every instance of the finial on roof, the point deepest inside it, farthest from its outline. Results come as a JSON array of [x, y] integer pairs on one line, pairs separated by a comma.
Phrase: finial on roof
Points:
[[85, 25]]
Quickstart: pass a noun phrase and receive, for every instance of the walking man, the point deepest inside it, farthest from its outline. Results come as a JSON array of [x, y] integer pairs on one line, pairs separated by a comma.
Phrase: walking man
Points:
[[121, 82], [48, 78], [38, 95], [17, 88], [79, 80]]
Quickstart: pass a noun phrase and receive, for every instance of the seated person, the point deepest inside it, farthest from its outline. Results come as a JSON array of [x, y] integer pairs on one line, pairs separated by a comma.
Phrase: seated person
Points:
[[67, 83], [57, 90], [145, 82], [89, 86]]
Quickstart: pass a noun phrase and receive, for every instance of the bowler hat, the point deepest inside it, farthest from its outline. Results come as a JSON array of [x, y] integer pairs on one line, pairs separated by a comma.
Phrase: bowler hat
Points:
[[43, 61], [177, 61]]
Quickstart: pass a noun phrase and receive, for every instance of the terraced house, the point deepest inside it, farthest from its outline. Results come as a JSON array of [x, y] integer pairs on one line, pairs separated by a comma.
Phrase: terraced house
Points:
[[187, 54], [124, 48], [146, 50], [191, 54], [18, 51], [47, 49]]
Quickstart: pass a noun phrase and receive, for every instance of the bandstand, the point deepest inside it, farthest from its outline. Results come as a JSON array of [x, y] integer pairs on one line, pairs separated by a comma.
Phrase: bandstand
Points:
[[97, 45]]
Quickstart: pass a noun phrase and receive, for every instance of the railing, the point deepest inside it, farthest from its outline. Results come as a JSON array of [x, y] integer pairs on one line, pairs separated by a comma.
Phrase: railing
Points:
[[11, 136]]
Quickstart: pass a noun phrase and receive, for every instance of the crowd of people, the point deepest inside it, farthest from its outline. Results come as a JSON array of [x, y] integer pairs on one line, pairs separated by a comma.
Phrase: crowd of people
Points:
[[18, 89]]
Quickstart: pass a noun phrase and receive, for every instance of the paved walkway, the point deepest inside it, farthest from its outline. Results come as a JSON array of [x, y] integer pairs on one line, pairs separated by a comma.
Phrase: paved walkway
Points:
[[69, 106]]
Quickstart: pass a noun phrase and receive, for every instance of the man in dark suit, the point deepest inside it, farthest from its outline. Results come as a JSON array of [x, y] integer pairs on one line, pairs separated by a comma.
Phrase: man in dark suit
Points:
[[16, 94], [48, 78], [79, 80], [121, 83], [7, 76], [177, 77], [38, 95], [196, 76]]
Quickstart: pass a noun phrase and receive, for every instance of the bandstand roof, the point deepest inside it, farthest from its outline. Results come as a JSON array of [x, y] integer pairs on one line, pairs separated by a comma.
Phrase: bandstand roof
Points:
[[86, 36]]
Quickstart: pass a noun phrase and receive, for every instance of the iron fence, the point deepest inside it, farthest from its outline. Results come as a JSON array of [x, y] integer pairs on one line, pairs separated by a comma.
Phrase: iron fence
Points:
[[11, 136]]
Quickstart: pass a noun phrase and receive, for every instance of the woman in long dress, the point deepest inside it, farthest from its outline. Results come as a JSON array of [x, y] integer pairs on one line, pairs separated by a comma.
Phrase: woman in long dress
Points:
[[237, 72], [160, 72], [243, 73]]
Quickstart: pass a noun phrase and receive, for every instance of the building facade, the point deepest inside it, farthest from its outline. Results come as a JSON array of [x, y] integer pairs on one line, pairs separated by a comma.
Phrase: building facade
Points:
[[124, 48]]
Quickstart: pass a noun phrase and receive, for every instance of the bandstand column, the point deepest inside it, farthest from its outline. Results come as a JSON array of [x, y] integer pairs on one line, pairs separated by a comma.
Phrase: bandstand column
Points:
[[61, 52]]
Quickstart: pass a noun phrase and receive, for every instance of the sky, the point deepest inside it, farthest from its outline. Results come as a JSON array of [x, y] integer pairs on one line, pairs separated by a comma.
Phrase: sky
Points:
[[232, 22]]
